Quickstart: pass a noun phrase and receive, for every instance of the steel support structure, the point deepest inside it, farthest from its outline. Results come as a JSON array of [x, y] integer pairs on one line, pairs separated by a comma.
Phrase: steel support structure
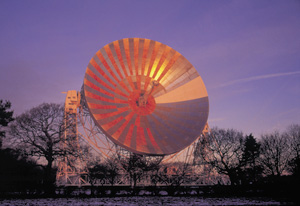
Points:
[[71, 168]]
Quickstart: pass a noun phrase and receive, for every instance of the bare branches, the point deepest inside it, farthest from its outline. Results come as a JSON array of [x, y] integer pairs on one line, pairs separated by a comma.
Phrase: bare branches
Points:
[[224, 151], [245, 160], [39, 132], [275, 153]]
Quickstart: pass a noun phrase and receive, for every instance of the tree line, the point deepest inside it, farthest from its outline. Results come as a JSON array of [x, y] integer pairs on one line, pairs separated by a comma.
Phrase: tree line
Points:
[[246, 160], [36, 137]]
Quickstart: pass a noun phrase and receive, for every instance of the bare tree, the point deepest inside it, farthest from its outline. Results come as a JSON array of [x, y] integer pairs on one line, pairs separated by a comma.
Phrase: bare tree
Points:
[[224, 152], [135, 166], [98, 174], [113, 170], [275, 153], [174, 174], [153, 171], [293, 136], [39, 133]]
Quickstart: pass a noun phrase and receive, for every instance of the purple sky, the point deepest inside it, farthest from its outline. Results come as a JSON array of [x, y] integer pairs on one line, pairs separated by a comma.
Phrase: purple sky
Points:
[[247, 52]]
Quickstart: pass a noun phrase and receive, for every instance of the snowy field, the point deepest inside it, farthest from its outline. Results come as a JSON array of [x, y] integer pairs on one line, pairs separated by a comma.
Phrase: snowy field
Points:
[[124, 201]]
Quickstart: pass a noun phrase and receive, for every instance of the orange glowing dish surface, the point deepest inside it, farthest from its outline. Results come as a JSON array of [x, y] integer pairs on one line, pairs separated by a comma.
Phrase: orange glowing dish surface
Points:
[[145, 96]]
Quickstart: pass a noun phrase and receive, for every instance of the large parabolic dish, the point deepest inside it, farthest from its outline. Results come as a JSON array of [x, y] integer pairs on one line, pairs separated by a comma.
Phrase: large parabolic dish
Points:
[[145, 96]]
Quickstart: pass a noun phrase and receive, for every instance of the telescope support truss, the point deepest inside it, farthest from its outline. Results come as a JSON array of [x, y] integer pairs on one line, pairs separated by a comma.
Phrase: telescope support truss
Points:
[[71, 169]]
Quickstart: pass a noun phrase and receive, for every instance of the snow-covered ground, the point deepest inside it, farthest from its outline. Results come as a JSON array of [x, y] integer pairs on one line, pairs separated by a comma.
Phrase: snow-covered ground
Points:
[[124, 201]]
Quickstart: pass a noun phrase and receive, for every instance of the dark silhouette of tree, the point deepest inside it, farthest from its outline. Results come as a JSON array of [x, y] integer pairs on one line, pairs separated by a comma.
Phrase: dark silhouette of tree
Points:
[[174, 174], [201, 151], [135, 165], [275, 154], [104, 172], [153, 171], [112, 170], [250, 150], [18, 173], [39, 133], [98, 174], [293, 135], [224, 152], [6, 117], [250, 168]]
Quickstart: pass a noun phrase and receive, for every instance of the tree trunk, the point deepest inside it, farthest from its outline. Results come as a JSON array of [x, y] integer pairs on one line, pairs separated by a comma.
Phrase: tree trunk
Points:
[[134, 180], [233, 178], [49, 179]]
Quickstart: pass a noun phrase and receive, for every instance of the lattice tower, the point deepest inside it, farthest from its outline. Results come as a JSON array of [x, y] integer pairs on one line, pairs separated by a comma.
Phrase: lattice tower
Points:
[[71, 168]]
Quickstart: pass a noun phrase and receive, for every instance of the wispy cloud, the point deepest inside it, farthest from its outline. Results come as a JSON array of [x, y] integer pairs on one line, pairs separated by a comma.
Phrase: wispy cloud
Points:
[[255, 78]]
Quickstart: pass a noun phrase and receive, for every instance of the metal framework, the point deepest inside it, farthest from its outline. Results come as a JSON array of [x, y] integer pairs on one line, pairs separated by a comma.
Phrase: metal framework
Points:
[[79, 124], [71, 169]]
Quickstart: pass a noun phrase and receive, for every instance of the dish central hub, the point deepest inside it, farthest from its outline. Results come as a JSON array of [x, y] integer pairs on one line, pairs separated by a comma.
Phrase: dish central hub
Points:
[[142, 101]]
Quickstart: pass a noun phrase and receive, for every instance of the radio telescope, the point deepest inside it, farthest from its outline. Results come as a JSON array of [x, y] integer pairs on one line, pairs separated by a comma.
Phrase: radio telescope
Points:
[[139, 96], [145, 96]]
